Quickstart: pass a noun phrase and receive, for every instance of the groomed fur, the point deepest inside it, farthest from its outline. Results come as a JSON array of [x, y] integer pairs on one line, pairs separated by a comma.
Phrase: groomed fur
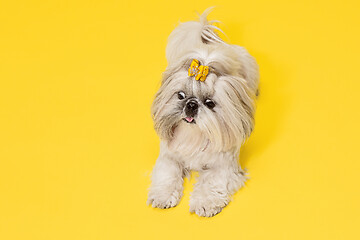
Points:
[[211, 143]]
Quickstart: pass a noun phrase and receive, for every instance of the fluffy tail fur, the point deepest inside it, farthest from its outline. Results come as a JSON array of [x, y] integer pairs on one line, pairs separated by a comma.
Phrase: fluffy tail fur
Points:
[[190, 35]]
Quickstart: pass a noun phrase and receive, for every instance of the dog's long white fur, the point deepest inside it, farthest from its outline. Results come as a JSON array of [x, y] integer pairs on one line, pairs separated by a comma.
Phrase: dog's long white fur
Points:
[[211, 145], [189, 35]]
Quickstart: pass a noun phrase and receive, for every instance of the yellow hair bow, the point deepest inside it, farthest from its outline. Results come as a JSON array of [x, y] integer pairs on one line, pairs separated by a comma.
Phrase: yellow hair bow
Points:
[[199, 71]]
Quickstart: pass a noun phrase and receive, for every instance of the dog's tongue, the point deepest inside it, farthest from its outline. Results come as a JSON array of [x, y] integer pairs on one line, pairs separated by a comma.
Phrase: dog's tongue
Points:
[[189, 119]]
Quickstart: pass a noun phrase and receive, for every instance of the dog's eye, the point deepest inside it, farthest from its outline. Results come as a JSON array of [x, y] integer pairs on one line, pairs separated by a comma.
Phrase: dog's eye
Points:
[[209, 103], [181, 95]]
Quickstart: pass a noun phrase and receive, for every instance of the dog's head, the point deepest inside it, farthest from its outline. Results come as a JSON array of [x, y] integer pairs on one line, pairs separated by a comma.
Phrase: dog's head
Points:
[[222, 106]]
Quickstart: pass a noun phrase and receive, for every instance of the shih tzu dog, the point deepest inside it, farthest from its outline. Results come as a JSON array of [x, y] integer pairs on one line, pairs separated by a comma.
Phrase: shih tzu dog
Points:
[[203, 112]]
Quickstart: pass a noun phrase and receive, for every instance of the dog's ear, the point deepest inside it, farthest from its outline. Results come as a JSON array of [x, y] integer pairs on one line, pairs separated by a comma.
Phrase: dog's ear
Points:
[[249, 69], [158, 116], [242, 97], [162, 109], [161, 95]]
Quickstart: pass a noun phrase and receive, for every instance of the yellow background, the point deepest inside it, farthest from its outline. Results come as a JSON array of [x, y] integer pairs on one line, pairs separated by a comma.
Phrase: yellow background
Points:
[[77, 144]]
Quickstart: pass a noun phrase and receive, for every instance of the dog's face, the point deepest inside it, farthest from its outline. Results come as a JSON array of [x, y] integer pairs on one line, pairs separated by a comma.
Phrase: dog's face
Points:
[[221, 107]]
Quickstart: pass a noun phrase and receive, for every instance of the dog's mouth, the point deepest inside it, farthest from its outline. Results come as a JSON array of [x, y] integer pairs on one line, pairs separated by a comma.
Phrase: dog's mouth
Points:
[[189, 119]]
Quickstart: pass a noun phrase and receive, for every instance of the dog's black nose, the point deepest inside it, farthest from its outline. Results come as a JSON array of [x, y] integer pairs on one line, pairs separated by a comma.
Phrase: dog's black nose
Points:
[[191, 108], [192, 105]]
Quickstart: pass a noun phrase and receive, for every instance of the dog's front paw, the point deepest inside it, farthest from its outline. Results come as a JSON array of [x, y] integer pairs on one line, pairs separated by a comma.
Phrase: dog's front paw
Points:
[[207, 207], [206, 211], [164, 199]]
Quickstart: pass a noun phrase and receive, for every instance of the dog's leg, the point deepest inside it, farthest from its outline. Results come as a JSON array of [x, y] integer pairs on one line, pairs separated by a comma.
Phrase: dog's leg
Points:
[[214, 188], [167, 183]]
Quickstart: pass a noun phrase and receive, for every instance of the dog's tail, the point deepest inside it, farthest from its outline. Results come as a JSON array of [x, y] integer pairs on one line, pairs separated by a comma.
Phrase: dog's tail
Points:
[[191, 35]]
